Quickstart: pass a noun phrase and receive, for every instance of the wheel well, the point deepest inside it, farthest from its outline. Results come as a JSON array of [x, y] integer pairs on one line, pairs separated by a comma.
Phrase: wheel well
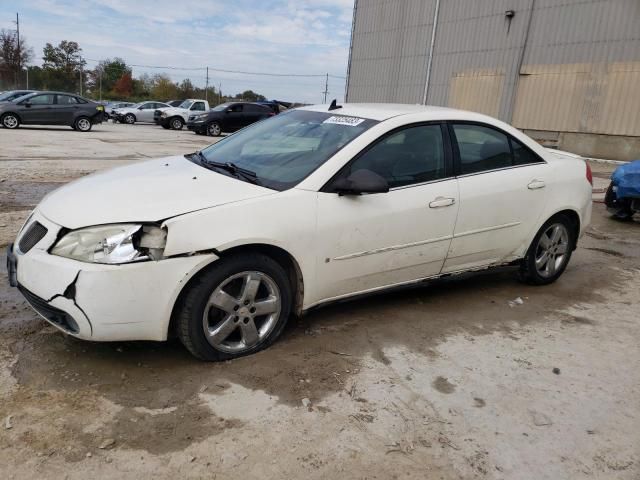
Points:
[[11, 113], [284, 258], [574, 218]]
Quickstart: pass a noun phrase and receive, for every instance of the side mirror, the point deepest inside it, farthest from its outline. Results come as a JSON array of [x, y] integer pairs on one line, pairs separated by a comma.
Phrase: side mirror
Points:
[[359, 182], [26, 104], [141, 107]]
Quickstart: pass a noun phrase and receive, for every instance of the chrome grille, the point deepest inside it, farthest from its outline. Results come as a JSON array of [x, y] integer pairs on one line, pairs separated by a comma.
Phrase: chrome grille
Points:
[[32, 235]]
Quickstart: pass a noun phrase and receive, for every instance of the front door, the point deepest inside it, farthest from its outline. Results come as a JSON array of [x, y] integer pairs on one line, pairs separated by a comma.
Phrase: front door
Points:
[[502, 197], [37, 110], [372, 241]]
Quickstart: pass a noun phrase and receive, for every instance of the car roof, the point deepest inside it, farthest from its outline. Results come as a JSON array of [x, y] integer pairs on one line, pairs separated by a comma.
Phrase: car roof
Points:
[[384, 111]]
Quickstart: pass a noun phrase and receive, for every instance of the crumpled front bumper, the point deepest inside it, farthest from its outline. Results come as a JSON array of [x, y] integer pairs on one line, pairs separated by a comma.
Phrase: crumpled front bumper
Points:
[[105, 302]]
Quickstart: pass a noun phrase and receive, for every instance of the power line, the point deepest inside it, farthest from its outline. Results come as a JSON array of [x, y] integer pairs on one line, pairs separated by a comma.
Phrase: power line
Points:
[[242, 72]]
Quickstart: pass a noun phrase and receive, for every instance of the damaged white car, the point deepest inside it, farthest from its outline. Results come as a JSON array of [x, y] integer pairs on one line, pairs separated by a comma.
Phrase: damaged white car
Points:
[[222, 246]]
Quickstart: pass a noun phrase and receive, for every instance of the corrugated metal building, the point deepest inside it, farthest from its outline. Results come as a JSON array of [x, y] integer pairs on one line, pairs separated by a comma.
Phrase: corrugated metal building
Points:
[[565, 71]]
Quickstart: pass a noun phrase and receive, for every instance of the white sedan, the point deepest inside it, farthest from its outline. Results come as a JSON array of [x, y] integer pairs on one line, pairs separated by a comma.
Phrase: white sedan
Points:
[[222, 246]]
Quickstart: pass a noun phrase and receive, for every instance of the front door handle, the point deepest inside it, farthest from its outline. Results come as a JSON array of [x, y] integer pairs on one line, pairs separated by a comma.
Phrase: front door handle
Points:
[[442, 202], [535, 184]]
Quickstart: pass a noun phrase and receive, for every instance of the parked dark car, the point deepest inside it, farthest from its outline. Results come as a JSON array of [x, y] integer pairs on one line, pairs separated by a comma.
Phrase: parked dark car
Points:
[[51, 108], [228, 117], [11, 95]]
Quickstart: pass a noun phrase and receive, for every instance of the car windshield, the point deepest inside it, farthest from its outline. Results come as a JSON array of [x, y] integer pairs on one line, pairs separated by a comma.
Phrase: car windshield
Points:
[[285, 149], [6, 95], [186, 104], [221, 107]]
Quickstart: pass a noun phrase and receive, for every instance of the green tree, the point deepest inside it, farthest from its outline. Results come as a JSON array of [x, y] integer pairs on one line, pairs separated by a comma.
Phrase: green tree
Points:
[[106, 74], [163, 88], [63, 66], [186, 89], [251, 96], [14, 57]]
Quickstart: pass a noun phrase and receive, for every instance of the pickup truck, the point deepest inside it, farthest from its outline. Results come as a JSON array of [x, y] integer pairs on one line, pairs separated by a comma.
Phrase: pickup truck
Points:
[[176, 117]]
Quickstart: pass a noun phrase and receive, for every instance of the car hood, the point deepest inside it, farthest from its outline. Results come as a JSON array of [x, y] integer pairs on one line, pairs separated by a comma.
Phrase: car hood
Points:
[[144, 192], [175, 111]]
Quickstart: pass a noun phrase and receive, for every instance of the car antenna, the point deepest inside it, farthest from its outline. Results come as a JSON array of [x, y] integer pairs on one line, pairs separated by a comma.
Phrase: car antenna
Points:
[[334, 105]]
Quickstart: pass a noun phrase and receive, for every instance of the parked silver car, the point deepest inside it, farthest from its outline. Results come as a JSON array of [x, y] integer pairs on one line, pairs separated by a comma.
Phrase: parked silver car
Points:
[[140, 112]]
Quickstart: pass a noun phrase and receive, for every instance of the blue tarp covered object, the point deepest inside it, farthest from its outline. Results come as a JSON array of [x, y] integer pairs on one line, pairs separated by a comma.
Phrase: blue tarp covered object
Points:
[[627, 180]]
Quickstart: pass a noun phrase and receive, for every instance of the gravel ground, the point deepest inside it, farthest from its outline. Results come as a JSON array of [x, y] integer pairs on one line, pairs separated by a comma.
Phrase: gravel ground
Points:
[[443, 381]]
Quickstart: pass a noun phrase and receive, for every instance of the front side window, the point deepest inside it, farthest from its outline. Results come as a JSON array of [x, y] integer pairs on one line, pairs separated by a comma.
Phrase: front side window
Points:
[[284, 149], [409, 156], [41, 100]]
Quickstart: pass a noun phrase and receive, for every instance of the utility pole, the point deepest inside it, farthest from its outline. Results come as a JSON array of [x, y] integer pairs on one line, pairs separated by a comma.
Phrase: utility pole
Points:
[[100, 74], [27, 69], [326, 88], [19, 52], [220, 93], [206, 88], [80, 81]]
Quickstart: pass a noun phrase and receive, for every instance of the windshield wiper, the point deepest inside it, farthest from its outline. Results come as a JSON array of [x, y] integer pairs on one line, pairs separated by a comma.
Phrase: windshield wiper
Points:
[[230, 167]]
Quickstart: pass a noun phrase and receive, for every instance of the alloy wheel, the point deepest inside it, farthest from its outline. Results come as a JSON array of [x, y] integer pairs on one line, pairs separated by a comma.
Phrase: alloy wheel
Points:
[[552, 250], [241, 312], [83, 125], [10, 121], [214, 129]]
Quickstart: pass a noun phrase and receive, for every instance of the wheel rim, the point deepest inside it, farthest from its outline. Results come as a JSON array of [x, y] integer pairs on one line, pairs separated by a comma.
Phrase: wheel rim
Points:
[[552, 250], [129, 119], [177, 124], [83, 124], [241, 312], [214, 129], [10, 121]]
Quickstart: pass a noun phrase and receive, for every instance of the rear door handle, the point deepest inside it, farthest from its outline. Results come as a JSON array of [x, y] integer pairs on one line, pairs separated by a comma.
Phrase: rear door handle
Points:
[[535, 184], [442, 202]]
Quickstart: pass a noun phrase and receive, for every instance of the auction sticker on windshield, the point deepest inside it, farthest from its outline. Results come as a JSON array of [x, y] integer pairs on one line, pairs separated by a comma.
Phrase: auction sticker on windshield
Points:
[[351, 121]]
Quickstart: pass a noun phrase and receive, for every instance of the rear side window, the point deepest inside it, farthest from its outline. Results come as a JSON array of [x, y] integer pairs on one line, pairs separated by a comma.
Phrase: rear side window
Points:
[[67, 100], [236, 108], [198, 107], [409, 156], [522, 155], [482, 148]]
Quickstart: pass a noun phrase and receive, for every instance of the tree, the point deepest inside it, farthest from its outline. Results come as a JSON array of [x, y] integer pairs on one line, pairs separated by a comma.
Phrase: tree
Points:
[[251, 96], [14, 57], [186, 89], [163, 88], [123, 87], [63, 66], [106, 74]]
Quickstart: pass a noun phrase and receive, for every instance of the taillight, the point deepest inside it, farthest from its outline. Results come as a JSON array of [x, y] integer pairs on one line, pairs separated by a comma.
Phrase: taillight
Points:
[[589, 174]]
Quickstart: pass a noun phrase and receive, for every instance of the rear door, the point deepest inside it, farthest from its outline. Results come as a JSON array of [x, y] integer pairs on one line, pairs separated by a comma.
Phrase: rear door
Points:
[[234, 118], [372, 241], [38, 110], [502, 196], [65, 109]]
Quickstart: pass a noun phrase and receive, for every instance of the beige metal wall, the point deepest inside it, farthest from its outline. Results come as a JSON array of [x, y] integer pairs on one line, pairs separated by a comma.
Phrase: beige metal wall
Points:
[[586, 98], [555, 65]]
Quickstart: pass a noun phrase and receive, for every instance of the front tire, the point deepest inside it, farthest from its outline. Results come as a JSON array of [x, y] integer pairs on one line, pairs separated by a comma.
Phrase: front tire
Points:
[[10, 121], [549, 252], [82, 124], [130, 118], [239, 306], [176, 123], [214, 129]]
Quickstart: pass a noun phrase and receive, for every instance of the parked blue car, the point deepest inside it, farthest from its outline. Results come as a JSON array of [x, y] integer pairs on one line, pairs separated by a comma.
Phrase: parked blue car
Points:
[[623, 195]]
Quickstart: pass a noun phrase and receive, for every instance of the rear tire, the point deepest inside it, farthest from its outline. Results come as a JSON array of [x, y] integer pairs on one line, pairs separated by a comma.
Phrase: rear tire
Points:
[[10, 121], [549, 252], [82, 124], [237, 307]]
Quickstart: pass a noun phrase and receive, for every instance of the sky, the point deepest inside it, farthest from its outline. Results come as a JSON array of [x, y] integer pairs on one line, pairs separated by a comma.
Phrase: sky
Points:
[[308, 37]]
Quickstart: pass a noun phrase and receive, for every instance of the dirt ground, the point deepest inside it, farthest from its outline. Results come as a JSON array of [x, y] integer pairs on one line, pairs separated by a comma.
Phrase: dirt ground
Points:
[[444, 381]]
